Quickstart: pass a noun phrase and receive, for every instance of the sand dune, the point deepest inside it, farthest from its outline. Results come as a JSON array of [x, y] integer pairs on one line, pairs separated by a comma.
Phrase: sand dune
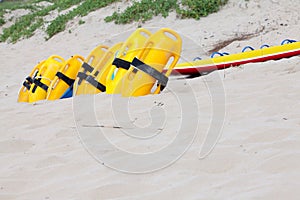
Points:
[[257, 155]]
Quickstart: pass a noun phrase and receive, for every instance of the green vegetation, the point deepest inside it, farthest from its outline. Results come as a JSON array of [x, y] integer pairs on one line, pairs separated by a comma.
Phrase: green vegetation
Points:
[[201, 8], [143, 10], [2, 21], [12, 5], [59, 24], [27, 24], [81, 22], [24, 26]]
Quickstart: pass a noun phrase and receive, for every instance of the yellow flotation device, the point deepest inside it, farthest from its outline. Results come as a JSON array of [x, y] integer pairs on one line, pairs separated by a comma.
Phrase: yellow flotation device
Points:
[[127, 52], [24, 91], [65, 77], [44, 77], [96, 81], [162, 48], [87, 67]]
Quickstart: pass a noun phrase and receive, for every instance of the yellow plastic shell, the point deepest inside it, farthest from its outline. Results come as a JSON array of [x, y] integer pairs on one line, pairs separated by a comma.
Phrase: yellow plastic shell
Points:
[[93, 59], [45, 75], [101, 70], [24, 92], [128, 51], [162, 48], [70, 69]]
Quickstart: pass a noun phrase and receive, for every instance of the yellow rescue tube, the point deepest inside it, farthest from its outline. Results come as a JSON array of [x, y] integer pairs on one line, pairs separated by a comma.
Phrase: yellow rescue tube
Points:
[[65, 77], [128, 51], [44, 77], [162, 48], [24, 91], [87, 67], [96, 81]]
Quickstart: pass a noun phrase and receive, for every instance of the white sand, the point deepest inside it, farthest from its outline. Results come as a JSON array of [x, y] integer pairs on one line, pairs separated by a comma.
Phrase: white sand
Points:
[[256, 157]]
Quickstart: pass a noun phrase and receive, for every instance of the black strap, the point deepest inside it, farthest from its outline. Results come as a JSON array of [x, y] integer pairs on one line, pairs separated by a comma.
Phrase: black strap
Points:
[[38, 83], [95, 83], [162, 79], [81, 76], [29, 79], [96, 73], [87, 67], [120, 63], [66, 79], [26, 85]]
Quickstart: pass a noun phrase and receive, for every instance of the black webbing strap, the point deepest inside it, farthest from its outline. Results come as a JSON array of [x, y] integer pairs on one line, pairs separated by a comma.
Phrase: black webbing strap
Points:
[[95, 83], [120, 63], [29, 79], [26, 85], [81, 75], [66, 79], [96, 73], [38, 83], [162, 79], [87, 67]]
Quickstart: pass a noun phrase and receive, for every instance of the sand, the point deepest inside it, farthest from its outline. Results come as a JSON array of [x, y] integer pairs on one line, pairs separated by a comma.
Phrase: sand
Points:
[[257, 154]]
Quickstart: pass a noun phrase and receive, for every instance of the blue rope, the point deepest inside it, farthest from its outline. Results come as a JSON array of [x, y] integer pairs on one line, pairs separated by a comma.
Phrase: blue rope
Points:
[[287, 41], [215, 53], [218, 53], [197, 58], [265, 46], [247, 47]]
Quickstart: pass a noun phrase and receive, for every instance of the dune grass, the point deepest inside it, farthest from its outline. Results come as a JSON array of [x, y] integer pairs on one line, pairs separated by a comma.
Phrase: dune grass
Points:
[[14, 5], [27, 24], [200, 8], [142, 10], [59, 24]]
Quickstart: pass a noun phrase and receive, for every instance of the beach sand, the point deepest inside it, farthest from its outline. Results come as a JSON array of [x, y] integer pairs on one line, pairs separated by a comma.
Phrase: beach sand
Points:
[[257, 155]]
